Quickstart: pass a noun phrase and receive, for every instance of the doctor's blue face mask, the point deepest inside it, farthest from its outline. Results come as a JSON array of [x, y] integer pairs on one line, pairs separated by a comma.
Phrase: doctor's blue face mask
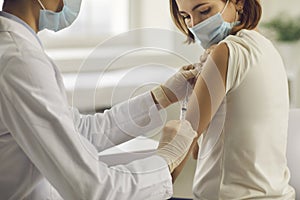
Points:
[[56, 21], [212, 30]]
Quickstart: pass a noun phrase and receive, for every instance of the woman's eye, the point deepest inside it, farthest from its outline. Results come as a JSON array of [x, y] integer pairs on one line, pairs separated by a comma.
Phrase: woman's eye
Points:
[[185, 17], [205, 12]]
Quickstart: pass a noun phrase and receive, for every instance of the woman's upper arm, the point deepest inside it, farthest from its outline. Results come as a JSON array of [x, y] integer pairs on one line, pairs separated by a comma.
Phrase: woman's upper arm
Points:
[[210, 89]]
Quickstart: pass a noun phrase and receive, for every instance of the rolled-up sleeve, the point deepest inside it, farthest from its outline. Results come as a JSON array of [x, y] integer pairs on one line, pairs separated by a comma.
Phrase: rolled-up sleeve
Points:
[[39, 119]]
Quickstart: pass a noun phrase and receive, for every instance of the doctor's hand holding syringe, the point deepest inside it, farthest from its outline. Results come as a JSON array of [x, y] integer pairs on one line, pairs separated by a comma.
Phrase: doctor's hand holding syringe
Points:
[[183, 91], [177, 135], [189, 87]]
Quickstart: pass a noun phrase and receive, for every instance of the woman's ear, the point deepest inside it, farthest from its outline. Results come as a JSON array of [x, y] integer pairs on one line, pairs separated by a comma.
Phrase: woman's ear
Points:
[[239, 6]]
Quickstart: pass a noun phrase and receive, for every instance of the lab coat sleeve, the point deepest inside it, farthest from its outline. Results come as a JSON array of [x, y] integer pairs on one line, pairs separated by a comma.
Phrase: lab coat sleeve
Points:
[[135, 117], [39, 119]]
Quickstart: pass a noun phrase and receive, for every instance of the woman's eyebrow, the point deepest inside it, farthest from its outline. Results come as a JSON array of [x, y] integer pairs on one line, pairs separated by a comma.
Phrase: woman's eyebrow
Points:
[[194, 8], [198, 5]]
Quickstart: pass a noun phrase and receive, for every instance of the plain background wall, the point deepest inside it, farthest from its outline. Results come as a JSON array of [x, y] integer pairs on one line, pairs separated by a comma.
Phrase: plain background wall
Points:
[[272, 8]]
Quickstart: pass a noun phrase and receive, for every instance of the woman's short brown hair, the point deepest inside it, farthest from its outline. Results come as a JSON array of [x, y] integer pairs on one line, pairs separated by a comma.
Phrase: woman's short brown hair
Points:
[[249, 18]]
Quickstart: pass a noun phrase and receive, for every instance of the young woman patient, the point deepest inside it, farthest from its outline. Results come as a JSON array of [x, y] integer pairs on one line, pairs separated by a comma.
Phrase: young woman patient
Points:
[[240, 103]]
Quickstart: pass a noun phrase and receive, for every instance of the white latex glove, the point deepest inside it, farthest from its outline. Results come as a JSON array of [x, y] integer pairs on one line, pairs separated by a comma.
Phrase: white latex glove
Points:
[[179, 82], [186, 77], [175, 142], [175, 88], [206, 53]]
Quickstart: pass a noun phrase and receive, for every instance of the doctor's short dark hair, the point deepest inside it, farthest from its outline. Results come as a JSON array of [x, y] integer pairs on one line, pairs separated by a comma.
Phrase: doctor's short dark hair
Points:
[[250, 16]]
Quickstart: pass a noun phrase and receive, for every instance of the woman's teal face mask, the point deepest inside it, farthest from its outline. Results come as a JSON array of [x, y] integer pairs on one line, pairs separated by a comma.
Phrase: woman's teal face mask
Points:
[[212, 30], [56, 21]]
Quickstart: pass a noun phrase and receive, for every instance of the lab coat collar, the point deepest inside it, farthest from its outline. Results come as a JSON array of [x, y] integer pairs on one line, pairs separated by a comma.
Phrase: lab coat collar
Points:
[[20, 21]]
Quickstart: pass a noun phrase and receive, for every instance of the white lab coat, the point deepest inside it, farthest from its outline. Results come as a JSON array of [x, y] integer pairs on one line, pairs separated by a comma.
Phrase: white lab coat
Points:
[[43, 140]]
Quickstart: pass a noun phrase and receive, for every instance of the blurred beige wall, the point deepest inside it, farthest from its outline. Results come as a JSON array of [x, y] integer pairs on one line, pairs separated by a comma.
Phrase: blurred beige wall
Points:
[[271, 8]]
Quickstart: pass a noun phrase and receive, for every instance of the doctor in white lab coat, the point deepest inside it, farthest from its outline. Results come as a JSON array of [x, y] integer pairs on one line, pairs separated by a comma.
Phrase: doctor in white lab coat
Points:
[[49, 150]]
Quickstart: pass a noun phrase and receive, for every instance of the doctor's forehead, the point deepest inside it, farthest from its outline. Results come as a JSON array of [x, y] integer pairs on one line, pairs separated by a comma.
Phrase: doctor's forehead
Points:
[[189, 5]]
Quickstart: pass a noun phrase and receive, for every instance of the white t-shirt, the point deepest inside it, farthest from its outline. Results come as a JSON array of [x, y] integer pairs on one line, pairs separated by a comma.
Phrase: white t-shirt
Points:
[[243, 153]]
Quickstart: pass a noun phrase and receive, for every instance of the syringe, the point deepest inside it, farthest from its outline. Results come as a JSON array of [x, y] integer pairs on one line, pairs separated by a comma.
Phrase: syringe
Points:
[[185, 101], [184, 104], [183, 110]]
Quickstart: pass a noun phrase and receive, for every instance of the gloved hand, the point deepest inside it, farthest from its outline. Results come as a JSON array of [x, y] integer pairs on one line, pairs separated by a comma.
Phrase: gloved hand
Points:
[[175, 142], [206, 53], [175, 88]]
